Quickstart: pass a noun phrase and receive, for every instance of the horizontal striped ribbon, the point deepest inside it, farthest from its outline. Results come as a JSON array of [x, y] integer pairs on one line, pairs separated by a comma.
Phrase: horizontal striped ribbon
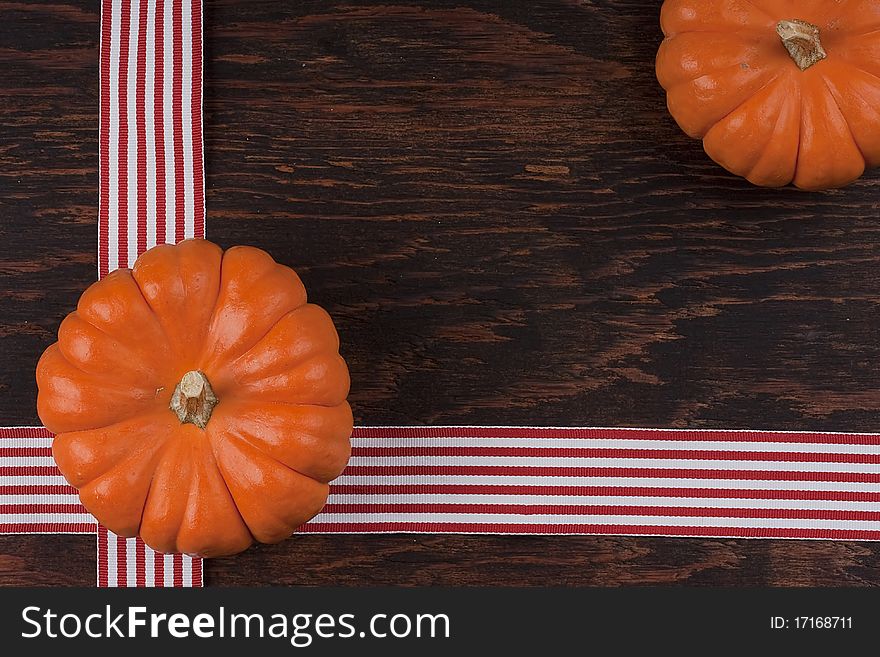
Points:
[[488, 480], [523, 480]]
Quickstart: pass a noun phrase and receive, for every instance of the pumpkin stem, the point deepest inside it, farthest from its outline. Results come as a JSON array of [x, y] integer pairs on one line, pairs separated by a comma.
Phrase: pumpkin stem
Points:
[[801, 39], [194, 400]]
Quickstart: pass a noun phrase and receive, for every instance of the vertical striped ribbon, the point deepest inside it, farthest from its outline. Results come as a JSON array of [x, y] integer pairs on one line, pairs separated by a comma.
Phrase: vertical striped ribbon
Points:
[[490, 480], [152, 188], [151, 165]]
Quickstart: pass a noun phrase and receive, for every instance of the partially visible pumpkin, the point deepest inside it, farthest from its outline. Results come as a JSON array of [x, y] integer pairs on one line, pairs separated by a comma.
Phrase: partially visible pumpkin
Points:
[[780, 91], [198, 400]]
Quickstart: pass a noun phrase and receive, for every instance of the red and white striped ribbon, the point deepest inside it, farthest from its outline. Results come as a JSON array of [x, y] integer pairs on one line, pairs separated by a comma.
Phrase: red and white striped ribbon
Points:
[[525, 480], [152, 187], [528, 480], [497, 480], [128, 562], [151, 166], [34, 496]]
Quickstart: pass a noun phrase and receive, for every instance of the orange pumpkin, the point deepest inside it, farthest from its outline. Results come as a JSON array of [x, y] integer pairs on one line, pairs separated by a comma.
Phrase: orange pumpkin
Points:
[[780, 91], [198, 400]]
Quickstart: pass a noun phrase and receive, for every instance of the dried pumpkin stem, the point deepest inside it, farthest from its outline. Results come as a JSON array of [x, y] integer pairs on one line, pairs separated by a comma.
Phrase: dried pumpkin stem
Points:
[[801, 39], [194, 400]]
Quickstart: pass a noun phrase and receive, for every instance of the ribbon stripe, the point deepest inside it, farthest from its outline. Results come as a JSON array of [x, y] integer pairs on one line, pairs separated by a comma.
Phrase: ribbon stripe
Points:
[[150, 142], [152, 191], [404, 479]]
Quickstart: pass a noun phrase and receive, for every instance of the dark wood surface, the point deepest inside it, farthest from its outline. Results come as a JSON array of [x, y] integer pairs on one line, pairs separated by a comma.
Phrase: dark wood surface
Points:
[[508, 228]]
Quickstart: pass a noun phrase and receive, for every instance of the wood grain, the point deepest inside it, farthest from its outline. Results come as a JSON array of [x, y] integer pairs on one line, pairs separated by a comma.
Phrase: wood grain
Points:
[[508, 228], [48, 183]]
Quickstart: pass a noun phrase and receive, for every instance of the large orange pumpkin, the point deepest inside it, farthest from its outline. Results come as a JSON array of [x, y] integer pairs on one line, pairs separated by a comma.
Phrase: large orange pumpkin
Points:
[[198, 400], [779, 91]]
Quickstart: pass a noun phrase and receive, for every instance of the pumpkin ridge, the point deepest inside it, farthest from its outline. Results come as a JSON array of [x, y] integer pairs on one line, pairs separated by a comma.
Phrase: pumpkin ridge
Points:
[[157, 315], [831, 92], [91, 375], [237, 435], [845, 56], [212, 357], [189, 494], [232, 438], [800, 140], [249, 399], [779, 115], [319, 353], [756, 92], [260, 339], [683, 96], [160, 453], [857, 92], [248, 387], [151, 455], [215, 463], [150, 308], [293, 365], [760, 32], [82, 317], [723, 131], [817, 106], [142, 403], [176, 531], [742, 41], [244, 394], [179, 276], [116, 426], [130, 354], [147, 304], [760, 9], [855, 67], [319, 435], [211, 438], [232, 363]]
